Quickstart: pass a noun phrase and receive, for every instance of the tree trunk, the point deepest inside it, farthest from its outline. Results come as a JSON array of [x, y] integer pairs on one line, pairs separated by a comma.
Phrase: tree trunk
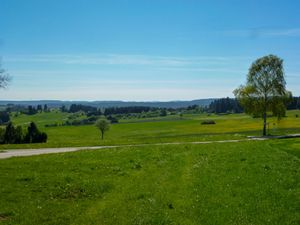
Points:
[[102, 133], [265, 113], [265, 124]]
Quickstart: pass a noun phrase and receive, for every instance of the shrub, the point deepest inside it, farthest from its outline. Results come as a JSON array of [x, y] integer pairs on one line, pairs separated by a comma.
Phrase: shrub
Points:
[[208, 122]]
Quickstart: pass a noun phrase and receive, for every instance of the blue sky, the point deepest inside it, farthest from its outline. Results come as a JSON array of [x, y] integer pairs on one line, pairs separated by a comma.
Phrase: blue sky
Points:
[[142, 49]]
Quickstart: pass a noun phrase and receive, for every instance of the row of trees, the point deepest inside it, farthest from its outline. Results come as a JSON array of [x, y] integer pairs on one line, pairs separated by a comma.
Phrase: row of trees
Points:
[[31, 110], [28, 110], [78, 107], [232, 105], [16, 135], [129, 109], [294, 103], [225, 105], [222, 105]]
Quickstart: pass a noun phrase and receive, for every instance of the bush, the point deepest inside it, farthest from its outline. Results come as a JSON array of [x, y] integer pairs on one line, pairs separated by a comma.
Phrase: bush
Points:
[[208, 122]]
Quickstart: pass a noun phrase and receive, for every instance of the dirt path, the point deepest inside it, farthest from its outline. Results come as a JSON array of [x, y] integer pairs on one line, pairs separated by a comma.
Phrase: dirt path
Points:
[[29, 152]]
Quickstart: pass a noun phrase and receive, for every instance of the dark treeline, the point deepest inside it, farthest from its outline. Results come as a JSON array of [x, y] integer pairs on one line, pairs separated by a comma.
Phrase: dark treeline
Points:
[[222, 105], [85, 108], [294, 104], [15, 135], [29, 110], [225, 105], [129, 109], [231, 105]]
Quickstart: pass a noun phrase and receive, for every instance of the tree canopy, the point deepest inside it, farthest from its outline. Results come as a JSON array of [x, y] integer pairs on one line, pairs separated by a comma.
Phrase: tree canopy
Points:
[[4, 78], [265, 89], [103, 125]]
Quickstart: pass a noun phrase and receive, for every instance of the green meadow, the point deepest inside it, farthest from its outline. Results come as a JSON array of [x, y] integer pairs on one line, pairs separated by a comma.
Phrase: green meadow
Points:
[[244, 183], [173, 128], [251, 182]]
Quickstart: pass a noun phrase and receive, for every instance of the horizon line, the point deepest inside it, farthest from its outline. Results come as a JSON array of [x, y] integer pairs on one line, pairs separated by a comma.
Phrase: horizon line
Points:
[[58, 100]]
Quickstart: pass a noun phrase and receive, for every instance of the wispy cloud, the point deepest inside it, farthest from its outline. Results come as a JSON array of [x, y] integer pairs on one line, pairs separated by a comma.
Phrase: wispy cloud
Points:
[[120, 59], [263, 32], [124, 93]]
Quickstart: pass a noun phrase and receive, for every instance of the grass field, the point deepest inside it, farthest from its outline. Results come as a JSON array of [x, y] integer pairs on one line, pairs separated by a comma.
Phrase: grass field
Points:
[[164, 129], [230, 183]]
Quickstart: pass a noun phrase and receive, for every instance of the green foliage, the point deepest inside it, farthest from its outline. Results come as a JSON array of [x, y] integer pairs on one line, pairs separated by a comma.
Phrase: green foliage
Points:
[[4, 117], [226, 183], [265, 89], [208, 122], [225, 105], [103, 125], [112, 119], [15, 135], [12, 135], [19, 136], [4, 78], [171, 128], [163, 112], [9, 134], [34, 135]]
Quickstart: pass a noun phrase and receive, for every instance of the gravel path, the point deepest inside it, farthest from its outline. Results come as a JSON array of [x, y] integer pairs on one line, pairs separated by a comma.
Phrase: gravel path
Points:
[[29, 152]]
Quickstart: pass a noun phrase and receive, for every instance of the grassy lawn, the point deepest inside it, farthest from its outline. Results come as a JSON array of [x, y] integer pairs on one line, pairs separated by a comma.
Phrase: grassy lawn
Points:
[[230, 183], [168, 129], [41, 118]]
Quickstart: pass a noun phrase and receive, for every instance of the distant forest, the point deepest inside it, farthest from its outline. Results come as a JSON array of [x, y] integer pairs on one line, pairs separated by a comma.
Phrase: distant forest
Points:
[[218, 106], [230, 105]]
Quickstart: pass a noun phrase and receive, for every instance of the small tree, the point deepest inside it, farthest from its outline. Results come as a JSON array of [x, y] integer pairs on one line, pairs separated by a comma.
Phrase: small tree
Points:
[[2, 132], [34, 135], [39, 108], [265, 89], [18, 135], [45, 108], [10, 134], [103, 125], [4, 117]]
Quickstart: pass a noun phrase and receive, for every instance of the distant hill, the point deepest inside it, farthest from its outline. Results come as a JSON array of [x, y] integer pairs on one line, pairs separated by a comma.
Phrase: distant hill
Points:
[[106, 104]]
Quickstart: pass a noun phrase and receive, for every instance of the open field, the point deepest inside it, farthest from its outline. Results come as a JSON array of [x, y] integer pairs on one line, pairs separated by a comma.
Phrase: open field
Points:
[[163, 129], [228, 183]]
